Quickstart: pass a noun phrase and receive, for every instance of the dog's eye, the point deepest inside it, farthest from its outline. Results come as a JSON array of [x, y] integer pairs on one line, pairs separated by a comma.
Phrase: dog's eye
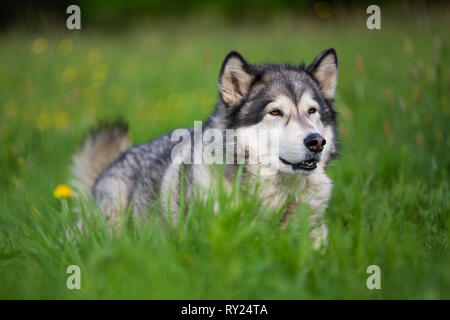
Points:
[[275, 112], [312, 110]]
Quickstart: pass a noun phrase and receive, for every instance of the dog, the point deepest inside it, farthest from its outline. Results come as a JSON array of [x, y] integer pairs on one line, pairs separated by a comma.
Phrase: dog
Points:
[[295, 100]]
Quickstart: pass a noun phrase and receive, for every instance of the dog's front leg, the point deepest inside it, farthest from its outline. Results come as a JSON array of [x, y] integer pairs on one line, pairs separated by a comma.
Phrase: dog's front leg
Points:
[[316, 194], [319, 231]]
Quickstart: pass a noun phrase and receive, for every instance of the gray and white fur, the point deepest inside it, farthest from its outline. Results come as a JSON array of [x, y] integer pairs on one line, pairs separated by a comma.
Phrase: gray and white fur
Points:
[[295, 100]]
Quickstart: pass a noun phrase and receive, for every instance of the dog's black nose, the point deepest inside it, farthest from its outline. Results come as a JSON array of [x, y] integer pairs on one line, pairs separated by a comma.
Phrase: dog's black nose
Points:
[[314, 142]]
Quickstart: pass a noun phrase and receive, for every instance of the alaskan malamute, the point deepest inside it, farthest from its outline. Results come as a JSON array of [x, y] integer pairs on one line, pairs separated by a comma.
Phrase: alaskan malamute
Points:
[[294, 100]]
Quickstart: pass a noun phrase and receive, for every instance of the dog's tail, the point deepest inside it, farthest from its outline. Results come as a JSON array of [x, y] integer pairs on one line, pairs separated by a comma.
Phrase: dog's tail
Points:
[[99, 149]]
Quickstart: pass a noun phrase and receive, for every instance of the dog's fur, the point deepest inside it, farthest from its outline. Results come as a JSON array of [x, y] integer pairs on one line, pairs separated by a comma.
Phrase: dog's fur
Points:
[[118, 177]]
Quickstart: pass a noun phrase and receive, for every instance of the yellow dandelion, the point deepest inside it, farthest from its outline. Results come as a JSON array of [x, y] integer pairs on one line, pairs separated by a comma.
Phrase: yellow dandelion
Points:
[[69, 74], [43, 121], [100, 72], [15, 180], [62, 191], [20, 161], [65, 46], [94, 56], [40, 45], [61, 119]]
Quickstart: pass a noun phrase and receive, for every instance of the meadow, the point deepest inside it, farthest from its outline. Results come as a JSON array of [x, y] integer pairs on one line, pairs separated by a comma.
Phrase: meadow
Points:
[[390, 204]]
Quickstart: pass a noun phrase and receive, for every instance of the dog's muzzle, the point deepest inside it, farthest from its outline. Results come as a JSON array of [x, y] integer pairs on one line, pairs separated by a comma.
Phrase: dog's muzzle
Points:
[[306, 165]]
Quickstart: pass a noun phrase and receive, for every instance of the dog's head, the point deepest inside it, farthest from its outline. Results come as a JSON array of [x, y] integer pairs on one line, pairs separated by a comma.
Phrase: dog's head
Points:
[[297, 101]]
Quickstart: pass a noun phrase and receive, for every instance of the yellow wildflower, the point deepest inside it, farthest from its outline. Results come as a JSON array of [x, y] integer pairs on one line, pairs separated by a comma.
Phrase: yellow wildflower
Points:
[[100, 72], [43, 121], [62, 191], [40, 45], [65, 46], [94, 56], [69, 74], [61, 119]]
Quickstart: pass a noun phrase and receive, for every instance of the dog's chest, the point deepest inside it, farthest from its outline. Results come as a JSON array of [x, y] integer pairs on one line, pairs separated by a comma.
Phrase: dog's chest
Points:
[[275, 192]]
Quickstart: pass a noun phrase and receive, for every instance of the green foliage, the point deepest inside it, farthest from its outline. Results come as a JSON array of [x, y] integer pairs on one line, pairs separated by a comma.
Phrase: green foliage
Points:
[[390, 203]]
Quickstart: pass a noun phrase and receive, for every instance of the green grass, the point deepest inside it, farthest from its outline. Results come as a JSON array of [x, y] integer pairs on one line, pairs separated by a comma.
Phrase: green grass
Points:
[[390, 203]]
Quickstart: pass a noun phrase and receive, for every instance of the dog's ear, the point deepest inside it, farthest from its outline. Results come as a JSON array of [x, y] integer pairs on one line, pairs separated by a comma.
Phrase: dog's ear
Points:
[[325, 70], [235, 79]]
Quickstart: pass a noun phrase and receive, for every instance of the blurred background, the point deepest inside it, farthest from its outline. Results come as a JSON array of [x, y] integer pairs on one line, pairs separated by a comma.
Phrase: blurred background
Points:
[[123, 13]]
